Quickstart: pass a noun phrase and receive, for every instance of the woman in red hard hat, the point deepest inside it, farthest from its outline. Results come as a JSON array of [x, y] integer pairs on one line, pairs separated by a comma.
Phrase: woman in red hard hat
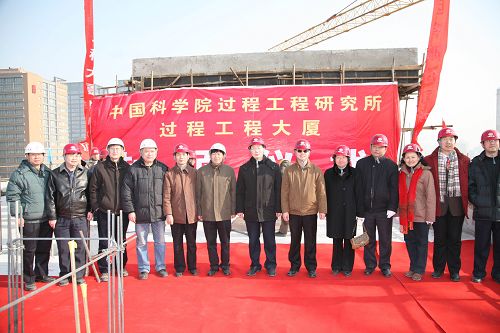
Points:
[[417, 207]]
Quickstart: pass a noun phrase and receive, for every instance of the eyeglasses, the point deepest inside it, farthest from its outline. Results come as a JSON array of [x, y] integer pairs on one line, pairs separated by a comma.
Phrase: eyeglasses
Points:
[[302, 151]]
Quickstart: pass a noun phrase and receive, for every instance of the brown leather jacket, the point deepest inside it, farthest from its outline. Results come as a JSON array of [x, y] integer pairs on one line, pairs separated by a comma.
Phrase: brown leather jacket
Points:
[[179, 194], [303, 192], [425, 201]]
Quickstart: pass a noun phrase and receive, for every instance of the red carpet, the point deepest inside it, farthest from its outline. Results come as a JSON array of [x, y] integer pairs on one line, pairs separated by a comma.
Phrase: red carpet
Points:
[[282, 304]]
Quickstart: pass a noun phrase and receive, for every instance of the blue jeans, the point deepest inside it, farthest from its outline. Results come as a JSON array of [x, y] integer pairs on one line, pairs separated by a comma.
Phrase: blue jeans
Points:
[[142, 231]]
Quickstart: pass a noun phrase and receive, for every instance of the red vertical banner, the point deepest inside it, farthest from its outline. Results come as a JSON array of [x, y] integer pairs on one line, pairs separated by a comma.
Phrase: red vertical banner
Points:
[[438, 41], [88, 69]]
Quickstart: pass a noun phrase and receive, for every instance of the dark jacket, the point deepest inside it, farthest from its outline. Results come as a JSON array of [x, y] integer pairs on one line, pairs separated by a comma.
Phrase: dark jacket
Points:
[[341, 202], [105, 185], [463, 174], [28, 186], [142, 191], [376, 185], [65, 198], [258, 190], [484, 192]]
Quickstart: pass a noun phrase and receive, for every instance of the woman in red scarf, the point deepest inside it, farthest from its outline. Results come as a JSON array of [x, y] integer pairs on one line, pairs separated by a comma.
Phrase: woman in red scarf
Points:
[[417, 207]]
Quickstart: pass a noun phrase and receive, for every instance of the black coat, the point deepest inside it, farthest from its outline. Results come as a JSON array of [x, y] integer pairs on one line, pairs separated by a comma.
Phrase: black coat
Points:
[[484, 192], [341, 203], [376, 185], [142, 191], [105, 184], [64, 199], [258, 190]]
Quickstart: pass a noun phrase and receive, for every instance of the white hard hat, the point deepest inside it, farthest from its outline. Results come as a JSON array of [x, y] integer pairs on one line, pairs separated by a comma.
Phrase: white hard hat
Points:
[[116, 142], [218, 146], [148, 143], [34, 148]]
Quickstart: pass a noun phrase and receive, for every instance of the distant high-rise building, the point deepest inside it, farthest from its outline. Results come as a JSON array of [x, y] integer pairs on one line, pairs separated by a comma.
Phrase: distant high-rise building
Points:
[[31, 109], [75, 106]]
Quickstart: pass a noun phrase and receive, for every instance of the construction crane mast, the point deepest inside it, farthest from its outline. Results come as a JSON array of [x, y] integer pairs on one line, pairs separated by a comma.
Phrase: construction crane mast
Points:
[[344, 21]]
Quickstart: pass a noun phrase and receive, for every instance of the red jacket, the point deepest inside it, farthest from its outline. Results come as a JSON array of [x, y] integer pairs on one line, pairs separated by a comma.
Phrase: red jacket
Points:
[[463, 174]]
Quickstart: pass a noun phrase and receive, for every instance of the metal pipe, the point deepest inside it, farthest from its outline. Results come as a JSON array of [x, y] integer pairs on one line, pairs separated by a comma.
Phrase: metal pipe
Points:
[[109, 270], [112, 273], [72, 246], [87, 250]]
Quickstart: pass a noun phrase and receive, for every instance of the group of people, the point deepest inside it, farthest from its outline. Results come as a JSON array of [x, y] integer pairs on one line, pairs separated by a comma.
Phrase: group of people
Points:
[[425, 191]]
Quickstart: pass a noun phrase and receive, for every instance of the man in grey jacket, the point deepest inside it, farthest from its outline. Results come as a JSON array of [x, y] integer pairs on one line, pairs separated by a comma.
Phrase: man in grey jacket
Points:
[[216, 201], [27, 185]]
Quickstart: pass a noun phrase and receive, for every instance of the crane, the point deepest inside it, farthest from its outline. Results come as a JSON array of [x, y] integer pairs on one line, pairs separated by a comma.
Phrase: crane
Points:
[[344, 21]]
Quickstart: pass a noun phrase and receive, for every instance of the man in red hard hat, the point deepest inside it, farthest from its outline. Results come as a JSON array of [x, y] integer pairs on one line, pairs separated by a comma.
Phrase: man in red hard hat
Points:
[[69, 208], [258, 201], [484, 194], [94, 157], [377, 201], [302, 198], [450, 169], [179, 205]]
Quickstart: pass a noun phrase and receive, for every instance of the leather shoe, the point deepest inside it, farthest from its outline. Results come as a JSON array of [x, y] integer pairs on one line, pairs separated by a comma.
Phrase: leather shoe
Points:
[[417, 277], [386, 272], [30, 286], [347, 273], [476, 279], [80, 281], [253, 270], [369, 271], [271, 272], [212, 272], [44, 279], [292, 272], [312, 274], [143, 275], [455, 277], [162, 273], [193, 272], [226, 271], [409, 274], [335, 271], [63, 282], [178, 274], [104, 277], [437, 275]]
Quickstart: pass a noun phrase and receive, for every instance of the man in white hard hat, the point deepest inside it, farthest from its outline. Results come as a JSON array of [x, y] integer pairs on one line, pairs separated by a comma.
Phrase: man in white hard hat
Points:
[[27, 185], [105, 184], [142, 200], [216, 202]]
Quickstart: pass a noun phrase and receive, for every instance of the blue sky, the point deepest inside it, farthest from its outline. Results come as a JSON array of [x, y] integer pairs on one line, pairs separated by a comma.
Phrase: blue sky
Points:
[[47, 37]]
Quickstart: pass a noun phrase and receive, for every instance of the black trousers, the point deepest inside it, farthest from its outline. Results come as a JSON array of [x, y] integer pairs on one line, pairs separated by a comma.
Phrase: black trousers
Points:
[[343, 255], [36, 251], [178, 233], [417, 241], [380, 222], [71, 228], [309, 225], [447, 243], [253, 229], [102, 229], [211, 229], [483, 232]]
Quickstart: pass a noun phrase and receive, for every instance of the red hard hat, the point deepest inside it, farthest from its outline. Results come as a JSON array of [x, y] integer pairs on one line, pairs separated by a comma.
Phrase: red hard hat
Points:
[[379, 140], [412, 147], [490, 135], [192, 154], [342, 150], [103, 154], [302, 144], [94, 151], [447, 131], [181, 148], [257, 141], [71, 148]]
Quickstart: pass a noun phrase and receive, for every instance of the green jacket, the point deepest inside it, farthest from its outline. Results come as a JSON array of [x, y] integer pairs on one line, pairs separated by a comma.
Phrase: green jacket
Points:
[[28, 186]]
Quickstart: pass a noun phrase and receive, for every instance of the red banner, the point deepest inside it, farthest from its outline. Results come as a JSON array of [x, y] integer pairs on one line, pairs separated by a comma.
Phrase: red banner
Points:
[[88, 70], [438, 41], [326, 115]]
